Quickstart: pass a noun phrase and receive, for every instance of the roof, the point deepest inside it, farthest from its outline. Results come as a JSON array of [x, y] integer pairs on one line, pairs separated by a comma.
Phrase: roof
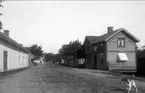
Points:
[[28, 49], [104, 37], [107, 36], [32, 54], [92, 38], [12, 42]]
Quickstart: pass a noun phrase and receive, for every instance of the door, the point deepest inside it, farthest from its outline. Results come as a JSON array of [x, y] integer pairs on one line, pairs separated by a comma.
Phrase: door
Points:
[[95, 61], [5, 60]]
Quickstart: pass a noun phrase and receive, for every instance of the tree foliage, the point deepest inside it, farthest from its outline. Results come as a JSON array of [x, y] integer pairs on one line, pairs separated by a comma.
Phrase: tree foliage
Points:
[[1, 25], [80, 53], [140, 53], [71, 48], [52, 57], [1, 3], [36, 50], [74, 48]]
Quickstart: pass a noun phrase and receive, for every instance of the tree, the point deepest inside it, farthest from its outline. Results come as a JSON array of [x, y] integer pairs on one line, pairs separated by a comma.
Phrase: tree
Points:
[[36, 50], [70, 49], [48, 56], [52, 57], [74, 46], [1, 25], [80, 53]]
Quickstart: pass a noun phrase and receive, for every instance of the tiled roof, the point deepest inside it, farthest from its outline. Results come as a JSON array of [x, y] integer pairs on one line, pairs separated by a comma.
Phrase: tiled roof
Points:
[[12, 42]]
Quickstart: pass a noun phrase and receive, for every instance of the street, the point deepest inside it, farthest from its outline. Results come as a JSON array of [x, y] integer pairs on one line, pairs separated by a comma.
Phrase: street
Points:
[[51, 78]]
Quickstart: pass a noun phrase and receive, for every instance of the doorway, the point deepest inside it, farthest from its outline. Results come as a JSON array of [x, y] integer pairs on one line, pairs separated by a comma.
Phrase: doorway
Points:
[[95, 61], [5, 57]]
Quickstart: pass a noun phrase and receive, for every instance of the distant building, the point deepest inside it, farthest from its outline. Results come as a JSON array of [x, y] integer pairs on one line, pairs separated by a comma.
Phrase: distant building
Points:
[[39, 60], [115, 50], [12, 54], [69, 60]]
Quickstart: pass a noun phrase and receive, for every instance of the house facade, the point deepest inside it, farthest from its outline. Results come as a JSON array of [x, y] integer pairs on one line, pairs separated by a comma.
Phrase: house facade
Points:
[[12, 54], [115, 50]]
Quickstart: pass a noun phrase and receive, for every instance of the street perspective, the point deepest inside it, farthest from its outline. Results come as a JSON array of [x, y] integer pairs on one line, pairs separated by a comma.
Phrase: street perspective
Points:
[[69, 46]]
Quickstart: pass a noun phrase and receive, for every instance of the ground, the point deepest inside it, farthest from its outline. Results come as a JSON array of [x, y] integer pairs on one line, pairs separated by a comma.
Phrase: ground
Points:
[[51, 78]]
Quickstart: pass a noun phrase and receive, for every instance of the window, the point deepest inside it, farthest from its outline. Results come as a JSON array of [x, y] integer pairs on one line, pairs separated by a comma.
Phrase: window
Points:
[[122, 57], [23, 60], [121, 42], [95, 48], [101, 57], [19, 60]]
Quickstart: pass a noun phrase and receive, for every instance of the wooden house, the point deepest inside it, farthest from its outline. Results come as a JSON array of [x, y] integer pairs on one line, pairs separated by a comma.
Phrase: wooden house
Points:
[[115, 50], [12, 54]]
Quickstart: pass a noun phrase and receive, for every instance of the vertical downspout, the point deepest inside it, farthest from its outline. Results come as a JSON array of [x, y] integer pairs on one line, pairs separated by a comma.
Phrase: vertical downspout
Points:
[[136, 58], [106, 51]]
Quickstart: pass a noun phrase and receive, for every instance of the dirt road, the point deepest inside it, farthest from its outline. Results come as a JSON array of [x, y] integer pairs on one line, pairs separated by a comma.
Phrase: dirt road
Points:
[[50, 78]]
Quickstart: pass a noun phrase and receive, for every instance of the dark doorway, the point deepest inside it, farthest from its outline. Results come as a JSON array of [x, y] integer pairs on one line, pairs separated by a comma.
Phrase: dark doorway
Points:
[[5, 59], [95, 61]]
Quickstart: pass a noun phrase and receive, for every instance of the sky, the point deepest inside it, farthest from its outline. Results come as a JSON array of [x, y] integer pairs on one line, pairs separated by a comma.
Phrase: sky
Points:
[[54, 23]]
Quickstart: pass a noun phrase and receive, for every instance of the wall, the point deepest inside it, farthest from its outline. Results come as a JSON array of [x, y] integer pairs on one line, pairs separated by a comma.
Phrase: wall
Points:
[[16, 58], [100, 49], [129, 64], [130, 50], [112, 43], [88, 48]]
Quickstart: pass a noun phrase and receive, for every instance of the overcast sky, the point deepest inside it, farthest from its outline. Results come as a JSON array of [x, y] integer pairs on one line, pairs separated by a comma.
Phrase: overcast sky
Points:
[[54, 23]]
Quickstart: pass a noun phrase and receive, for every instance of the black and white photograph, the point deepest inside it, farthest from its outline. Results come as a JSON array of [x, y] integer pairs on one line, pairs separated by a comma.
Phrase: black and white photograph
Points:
[[72, 46]]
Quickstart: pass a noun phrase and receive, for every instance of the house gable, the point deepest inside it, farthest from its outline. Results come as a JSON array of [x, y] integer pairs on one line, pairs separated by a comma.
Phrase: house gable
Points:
[[129, 50], [125, 32], [109, 35], [130, 44], [86, 45]]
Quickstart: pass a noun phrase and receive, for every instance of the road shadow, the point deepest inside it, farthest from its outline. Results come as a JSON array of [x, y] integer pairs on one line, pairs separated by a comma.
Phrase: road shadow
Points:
[[117, 89], [8, 74]]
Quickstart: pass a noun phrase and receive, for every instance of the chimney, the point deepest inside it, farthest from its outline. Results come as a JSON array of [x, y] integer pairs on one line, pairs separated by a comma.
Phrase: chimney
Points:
[[110, 29], [6, 33]]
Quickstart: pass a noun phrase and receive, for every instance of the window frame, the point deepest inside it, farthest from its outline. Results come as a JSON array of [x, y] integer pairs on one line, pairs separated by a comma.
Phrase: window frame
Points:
[[102, 57], [95, 48], [23, 60], [120, 61], [120, 40], [19, 59]]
